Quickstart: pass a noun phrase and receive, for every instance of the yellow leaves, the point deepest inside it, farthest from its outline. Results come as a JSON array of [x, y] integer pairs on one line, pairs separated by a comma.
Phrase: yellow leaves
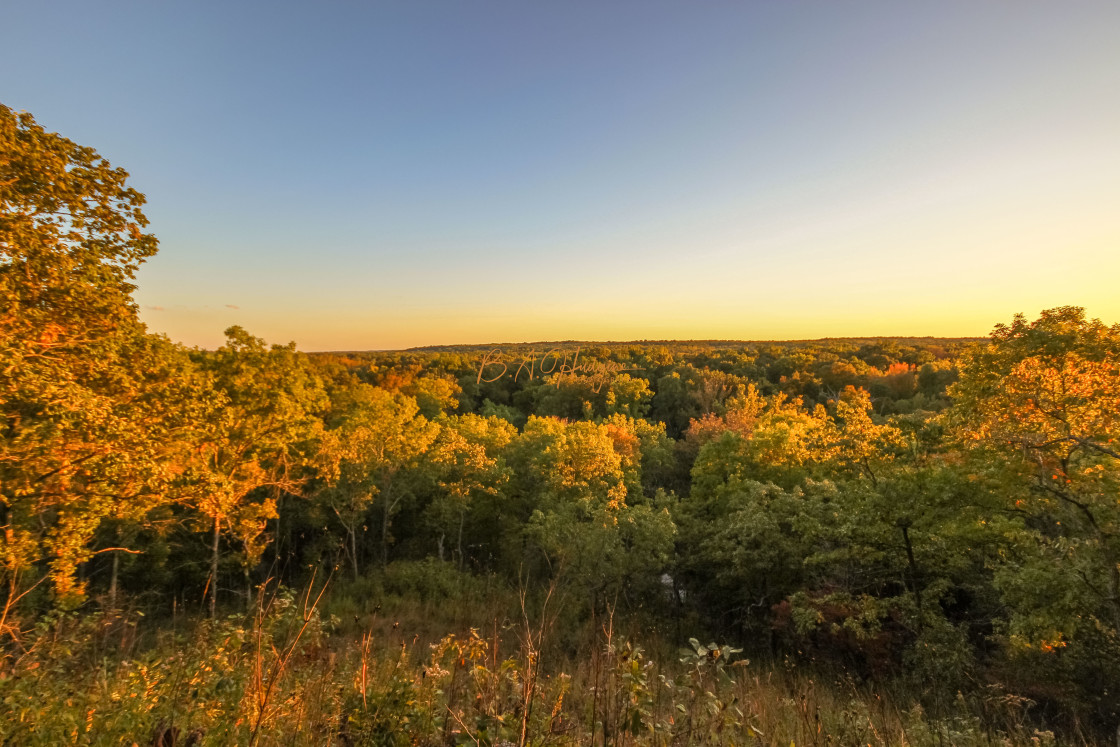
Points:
[[576, 460], [616, 501], [785, 433], [858, 440]]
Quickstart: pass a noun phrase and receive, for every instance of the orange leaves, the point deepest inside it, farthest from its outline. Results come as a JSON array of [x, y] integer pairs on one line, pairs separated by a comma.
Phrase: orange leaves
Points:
[[1049, 389], [50, 334], [626, 442], [1047, 645]]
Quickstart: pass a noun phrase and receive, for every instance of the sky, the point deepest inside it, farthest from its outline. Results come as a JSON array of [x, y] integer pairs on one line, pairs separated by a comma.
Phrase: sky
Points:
[[379, 175]]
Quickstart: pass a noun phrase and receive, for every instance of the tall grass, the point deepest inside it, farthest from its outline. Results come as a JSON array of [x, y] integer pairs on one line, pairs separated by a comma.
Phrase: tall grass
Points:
[[295, 672]]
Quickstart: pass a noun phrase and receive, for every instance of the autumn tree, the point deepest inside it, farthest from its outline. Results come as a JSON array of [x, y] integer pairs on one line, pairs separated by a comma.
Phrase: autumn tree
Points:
[[76, 435], [467, 461], [571, 480], [1043, 398], [648, 458], [376, 436], [253, 442], [628, 395], [858, 443]]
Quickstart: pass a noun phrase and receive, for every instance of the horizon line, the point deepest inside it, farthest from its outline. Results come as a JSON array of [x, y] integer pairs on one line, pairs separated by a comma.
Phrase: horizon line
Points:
[[644, 342]]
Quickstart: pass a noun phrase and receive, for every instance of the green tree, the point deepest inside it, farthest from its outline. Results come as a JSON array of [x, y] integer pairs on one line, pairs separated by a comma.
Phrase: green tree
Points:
[[572, 480], [1043, 398], [628, 395], [1038, 410]]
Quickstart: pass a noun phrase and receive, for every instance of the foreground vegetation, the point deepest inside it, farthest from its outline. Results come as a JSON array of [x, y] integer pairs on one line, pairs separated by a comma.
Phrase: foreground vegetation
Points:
[[905, 541], [293, 673]]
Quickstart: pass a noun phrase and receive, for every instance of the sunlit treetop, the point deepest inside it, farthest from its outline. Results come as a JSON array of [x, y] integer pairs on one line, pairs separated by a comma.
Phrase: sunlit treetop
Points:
[[71, 235], [1055, 381]]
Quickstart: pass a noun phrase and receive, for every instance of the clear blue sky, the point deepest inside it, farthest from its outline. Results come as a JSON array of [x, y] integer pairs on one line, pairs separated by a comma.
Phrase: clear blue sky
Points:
[[382, 174]]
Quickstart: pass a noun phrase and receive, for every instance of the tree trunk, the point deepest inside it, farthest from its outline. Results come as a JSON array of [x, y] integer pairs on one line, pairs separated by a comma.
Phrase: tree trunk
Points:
[[113, 580], [276, 544], [462, 517], [1114, 592], [353, 549], [905, 527], [214, 569], [385, 534], [385, 526]]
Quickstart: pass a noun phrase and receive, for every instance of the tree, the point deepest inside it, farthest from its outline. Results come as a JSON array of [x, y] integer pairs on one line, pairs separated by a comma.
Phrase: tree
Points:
[[1044, 398], [466, 461], [375, 436], [572, 483], [628, 395], [648, 460], [74, 434], [858, 443], [255, 435], [70, 242], [770, 440], [1037, 409]]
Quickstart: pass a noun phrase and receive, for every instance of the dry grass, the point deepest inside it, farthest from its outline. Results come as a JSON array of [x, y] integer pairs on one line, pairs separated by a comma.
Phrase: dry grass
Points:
[[295, 674]]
